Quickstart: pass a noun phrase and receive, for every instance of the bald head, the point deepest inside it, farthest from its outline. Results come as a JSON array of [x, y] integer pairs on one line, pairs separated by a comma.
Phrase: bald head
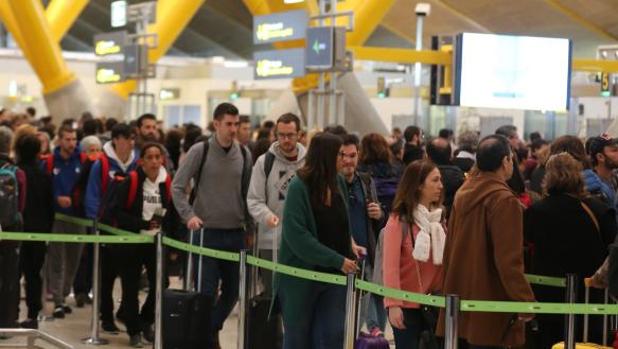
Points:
[[439, 151]]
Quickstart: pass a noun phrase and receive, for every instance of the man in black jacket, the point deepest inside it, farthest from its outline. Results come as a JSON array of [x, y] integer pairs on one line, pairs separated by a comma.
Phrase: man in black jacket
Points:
[[143, 205], [366, 220], [439, 151]]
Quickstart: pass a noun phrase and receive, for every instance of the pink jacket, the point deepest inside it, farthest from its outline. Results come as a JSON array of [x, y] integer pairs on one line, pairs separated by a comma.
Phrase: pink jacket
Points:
[[400, 268]]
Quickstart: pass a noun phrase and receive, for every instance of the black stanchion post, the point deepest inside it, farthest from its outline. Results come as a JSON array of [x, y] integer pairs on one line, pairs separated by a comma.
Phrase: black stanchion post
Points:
[[452, 317], [94, 338], [571, 290], [242, 300], [158, 344], [350, 306]]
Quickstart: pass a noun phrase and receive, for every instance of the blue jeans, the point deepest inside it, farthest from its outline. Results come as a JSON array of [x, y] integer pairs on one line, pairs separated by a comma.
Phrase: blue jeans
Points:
[[322, 319], [215, 270]]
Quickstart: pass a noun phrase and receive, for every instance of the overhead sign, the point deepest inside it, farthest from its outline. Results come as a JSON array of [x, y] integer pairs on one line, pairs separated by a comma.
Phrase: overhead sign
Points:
[[119, 13], [109, 43], [281, 26], [320, 47], [109, 72], [279, 64], [167, 94], [326, 50]]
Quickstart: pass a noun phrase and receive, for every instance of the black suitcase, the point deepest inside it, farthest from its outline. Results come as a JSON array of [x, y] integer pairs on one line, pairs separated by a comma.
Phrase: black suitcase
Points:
[[264, 332], [187, 316], [186, 320]]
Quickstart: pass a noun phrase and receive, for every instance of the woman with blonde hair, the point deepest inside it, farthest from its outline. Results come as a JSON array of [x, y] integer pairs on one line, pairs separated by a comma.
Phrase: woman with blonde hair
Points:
[[570, 232]]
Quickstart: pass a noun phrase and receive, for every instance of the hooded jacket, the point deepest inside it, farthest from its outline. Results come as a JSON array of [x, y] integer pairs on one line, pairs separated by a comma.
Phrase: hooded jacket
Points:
[[597, 187], [65, 174], [94, 190], [483, 259], [266, 196]]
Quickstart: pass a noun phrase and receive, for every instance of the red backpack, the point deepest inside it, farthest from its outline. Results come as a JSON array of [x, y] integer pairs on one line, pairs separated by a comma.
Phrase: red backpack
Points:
[[133, 178]]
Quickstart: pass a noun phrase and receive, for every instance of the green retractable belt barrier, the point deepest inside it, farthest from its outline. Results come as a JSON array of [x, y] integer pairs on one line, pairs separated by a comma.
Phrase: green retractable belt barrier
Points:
[[208, 252], [77, 238], [125, 237], [74, 220]]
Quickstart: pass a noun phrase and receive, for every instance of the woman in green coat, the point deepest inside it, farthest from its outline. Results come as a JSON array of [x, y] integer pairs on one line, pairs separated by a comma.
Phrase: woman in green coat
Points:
[[316, 236]]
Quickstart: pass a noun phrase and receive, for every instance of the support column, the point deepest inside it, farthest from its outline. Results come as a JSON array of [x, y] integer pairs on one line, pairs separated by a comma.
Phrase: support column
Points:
[[64, 94]]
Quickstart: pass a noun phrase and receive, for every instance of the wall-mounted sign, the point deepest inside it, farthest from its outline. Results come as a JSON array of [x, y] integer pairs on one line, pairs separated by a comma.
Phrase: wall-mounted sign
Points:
[[279, 64], [282, 26], [168, 94], [109, 43], [119, 13], [109, 72]]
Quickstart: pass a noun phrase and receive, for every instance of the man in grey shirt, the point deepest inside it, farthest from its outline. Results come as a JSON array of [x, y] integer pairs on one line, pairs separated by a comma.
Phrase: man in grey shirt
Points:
[[221, 169], [271, 176]]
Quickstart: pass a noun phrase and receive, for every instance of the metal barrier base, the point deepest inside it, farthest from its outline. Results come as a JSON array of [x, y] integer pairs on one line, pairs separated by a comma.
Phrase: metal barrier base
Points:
[[31, 337], [95, 341]]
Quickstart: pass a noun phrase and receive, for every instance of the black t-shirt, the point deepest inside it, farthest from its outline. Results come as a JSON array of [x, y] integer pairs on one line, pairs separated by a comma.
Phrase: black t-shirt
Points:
[[332, 225]]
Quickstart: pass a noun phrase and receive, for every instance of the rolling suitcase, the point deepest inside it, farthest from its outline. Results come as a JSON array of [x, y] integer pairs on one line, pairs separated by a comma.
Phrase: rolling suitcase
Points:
[[187, 314], [586, 344], [265, 332], [365, 340]]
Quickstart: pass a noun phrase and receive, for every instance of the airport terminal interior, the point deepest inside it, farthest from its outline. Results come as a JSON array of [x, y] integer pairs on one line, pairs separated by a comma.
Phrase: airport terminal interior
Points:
[[452, 68]]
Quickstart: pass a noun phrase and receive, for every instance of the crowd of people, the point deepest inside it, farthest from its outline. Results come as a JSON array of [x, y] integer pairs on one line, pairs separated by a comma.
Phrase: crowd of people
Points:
[[457, 215]]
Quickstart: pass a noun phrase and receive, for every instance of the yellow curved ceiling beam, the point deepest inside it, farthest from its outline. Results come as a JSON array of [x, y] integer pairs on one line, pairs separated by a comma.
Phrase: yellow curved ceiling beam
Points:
[[581, 20], [61, 14], [43, 51], [172, 17], [9, 21]]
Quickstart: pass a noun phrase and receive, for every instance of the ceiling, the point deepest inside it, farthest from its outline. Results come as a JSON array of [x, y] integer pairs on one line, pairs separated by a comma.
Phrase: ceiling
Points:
[[224, 27]]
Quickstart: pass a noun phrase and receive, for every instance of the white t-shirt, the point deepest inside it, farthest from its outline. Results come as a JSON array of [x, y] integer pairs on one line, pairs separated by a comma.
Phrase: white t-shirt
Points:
[[152, 199]]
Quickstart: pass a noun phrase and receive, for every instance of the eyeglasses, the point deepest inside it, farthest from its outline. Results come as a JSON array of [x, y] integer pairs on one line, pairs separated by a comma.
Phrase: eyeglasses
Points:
[[343, 155], [287, 135]]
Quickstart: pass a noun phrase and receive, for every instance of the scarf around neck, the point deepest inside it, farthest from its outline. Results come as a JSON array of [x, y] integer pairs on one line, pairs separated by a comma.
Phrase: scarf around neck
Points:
[[431, 236]]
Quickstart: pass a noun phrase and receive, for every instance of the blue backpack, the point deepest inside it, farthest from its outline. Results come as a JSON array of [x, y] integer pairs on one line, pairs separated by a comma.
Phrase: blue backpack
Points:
[[9, 197]]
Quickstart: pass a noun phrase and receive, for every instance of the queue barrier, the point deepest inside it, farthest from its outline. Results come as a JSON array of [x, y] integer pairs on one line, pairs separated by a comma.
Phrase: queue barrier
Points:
[[123, 236], [452, 303]]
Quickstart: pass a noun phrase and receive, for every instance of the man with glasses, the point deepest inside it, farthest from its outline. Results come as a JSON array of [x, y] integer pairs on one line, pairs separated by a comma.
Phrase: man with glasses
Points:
[[365, 221], [271, 175]]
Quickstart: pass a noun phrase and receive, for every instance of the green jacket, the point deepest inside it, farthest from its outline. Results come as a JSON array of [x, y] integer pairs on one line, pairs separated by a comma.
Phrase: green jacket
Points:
[[301, 248]]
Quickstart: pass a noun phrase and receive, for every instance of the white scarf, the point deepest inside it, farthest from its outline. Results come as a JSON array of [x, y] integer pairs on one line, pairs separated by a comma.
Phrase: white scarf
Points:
[[431, 236]]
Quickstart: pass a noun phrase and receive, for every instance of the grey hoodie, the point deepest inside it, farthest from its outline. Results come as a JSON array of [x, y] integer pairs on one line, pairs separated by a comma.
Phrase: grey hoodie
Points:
[[266, 197]]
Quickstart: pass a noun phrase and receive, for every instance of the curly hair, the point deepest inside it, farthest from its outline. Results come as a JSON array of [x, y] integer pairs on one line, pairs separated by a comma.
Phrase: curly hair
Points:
[[564, 176]]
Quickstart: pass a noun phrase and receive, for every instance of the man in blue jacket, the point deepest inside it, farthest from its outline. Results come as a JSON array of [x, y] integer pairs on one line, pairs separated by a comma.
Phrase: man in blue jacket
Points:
[[118, 159], [64, 167]]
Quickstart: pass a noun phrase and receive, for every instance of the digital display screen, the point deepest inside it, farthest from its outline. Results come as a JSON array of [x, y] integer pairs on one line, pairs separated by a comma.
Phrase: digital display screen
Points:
[[512, 72]]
